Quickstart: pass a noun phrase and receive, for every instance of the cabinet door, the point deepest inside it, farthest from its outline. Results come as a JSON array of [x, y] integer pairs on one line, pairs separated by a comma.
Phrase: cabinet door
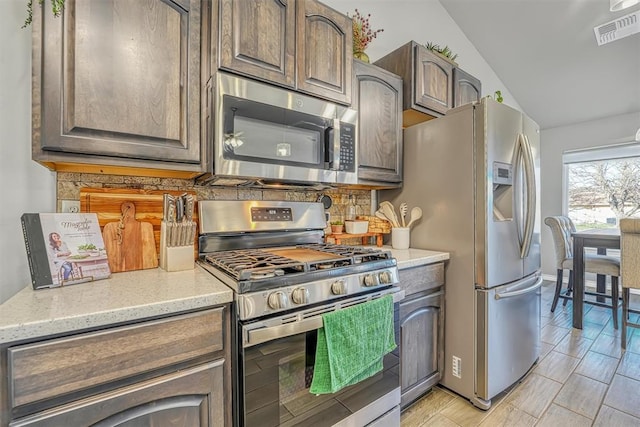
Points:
[[433, 81], [119, 78], [258, 38], [192, 397], [378, 100], [324, 51], [466, 88], [420, 345]]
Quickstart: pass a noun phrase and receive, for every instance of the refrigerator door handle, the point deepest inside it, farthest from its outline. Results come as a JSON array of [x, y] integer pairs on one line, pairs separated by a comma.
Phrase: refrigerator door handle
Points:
[[531, 196], [536, 285]]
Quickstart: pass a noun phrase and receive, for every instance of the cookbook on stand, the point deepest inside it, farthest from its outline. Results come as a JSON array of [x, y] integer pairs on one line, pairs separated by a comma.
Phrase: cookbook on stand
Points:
[[64, 249]]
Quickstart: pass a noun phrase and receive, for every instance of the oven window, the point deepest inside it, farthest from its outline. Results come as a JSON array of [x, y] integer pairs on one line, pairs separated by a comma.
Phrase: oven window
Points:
[[277, 377]]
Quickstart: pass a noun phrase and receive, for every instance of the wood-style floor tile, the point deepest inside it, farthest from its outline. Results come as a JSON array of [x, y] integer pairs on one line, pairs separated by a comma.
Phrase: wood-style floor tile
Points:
[[581, 395], [463, 413], [589, 330], [574, 345], [598, 366], [606, 344], [630, 365], [428, 406], [609, 417], [438, 420], [598, 316], [557, 416], [508, 415], [534, 394], [623, 395], [557, 366], [545, 348], [553, 334]]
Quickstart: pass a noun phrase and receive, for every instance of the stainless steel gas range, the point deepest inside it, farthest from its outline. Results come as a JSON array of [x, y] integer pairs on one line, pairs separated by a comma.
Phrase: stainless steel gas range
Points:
[[284, 279]]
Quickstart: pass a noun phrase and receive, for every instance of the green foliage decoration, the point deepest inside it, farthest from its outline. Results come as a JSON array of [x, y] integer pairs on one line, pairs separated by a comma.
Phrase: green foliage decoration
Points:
[[444, 51], [56, 7]]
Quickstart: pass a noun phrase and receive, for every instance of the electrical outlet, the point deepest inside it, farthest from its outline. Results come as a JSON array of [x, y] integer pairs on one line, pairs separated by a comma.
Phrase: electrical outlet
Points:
[[456, 366], [70, 206]]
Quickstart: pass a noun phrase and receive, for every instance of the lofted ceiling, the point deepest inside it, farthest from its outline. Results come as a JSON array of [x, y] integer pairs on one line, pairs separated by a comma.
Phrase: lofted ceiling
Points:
[[546, 54]]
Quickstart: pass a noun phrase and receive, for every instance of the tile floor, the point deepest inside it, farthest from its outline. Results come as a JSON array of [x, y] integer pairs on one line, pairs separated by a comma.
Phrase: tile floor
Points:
[[582, 379]]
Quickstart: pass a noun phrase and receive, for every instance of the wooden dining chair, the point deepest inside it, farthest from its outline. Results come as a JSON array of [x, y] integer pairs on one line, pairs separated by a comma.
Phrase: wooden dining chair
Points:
[[561, 229], [629, 268]]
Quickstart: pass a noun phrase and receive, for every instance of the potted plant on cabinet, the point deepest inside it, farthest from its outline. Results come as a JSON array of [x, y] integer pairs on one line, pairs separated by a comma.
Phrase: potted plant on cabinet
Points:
[[337, 227]]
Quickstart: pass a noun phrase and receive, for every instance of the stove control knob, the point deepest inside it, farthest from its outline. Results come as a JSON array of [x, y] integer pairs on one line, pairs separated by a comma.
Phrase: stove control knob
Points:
[[300, 296], [277, 300], [369, 280], [339, 287], [385, 277]]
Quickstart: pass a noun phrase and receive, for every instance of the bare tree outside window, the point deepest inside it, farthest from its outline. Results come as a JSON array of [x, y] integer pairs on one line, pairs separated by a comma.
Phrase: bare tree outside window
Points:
[[602, 192]]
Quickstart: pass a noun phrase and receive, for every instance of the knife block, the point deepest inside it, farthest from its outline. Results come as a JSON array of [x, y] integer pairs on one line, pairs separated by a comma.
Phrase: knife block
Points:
[[174, 258]]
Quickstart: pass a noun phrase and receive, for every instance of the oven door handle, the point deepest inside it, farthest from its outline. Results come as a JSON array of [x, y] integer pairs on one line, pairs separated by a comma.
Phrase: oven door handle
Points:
[[260, 335]]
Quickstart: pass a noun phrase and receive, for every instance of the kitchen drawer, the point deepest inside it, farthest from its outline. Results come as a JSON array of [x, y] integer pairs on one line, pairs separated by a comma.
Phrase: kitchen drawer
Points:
[[421, 278], [47, 369]]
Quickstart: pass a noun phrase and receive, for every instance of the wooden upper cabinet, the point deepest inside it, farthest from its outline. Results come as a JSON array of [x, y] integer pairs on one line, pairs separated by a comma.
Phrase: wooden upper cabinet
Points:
[[119, 80], [433, 81], [377, 96], [300, 44], [466, 88], [324, 51], [257, 38], [428, 82]]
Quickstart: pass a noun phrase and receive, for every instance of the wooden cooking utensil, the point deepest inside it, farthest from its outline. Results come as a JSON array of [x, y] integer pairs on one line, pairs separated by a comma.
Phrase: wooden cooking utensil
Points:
[[416, 214], [129, 243]]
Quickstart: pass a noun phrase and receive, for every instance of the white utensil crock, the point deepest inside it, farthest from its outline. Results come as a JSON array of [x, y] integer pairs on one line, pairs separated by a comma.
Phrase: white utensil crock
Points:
[[400, 237]]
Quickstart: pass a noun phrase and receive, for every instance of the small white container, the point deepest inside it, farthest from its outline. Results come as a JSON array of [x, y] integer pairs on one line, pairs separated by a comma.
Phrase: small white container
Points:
[[400, 237], [357, 227]]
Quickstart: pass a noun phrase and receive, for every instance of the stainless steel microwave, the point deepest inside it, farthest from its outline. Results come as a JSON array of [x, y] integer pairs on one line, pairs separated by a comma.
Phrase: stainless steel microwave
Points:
[[267, 134]]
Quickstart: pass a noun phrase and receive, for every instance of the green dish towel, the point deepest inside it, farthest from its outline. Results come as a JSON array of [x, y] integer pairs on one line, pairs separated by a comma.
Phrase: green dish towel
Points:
[[351, 345]]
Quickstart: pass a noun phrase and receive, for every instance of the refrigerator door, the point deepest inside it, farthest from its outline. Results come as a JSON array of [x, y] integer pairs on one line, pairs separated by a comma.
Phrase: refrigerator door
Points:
[[532, 132], [498, 247], [507, 334]]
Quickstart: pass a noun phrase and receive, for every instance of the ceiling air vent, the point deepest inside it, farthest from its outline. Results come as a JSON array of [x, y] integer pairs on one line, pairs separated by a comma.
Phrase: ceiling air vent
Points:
[[618, 28]]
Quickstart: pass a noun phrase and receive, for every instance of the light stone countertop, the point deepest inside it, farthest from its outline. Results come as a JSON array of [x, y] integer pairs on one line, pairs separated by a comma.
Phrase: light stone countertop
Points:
[[124, 297], [131, 296], [411, 257]]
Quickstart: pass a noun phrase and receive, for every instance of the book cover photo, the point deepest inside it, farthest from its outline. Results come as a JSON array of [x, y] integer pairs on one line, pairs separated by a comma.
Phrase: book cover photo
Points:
[[64, 248]]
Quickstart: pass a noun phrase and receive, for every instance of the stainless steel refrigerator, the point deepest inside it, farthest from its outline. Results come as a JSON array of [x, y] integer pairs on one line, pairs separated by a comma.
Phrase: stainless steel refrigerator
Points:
[[475, 174]]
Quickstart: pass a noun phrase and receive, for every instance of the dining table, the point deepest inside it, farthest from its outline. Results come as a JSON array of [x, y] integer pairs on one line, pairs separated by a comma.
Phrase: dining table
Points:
[[601, 239]]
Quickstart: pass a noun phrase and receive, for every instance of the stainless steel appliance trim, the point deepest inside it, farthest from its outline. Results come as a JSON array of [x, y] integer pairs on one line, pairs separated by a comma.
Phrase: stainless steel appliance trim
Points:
[[271, 329], [381, 412], [520, 291], [239, 87], [507, 334], [531, 195], [220, 216]]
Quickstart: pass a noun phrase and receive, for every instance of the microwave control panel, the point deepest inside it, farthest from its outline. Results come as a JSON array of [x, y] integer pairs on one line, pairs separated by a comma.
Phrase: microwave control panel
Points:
[[347, 147]]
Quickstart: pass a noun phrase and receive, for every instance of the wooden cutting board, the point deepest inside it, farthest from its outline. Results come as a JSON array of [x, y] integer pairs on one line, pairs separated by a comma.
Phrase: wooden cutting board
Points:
[[130, 243], [107, 202]]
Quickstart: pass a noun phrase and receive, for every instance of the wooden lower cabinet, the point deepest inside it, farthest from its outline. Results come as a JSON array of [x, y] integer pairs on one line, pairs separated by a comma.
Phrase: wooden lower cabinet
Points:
[[169, 371], [421, 331], [192, 397]]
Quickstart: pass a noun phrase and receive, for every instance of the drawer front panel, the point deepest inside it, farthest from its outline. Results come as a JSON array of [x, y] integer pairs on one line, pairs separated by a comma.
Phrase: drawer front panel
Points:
[[421, 278], [51, 368]]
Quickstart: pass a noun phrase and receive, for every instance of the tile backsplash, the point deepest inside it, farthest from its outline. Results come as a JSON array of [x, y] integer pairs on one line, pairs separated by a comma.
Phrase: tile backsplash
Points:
[[69, 185]]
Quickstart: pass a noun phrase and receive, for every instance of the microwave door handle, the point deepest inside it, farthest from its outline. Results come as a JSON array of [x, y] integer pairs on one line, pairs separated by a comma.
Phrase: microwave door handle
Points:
[[335, 144]]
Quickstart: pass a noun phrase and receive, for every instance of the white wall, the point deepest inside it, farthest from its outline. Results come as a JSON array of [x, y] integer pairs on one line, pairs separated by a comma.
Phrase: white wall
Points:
[[557, 140], [24, 185], [423, 21]]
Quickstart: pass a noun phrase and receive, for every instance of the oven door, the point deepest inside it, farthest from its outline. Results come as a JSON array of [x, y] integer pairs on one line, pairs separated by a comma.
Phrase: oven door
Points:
[[276, 368]]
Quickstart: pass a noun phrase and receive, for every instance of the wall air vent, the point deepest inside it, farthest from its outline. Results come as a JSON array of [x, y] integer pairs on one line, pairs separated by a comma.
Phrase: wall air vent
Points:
[[618, 28]]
